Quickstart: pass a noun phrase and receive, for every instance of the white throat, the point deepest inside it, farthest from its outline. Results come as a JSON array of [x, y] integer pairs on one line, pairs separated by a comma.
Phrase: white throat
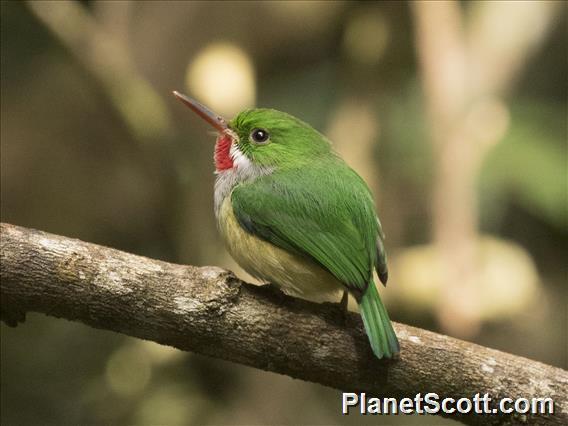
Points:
[[240, 161]]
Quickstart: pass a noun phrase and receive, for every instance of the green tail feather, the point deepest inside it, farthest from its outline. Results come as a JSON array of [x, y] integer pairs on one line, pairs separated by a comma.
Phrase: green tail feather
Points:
[[377, 324]]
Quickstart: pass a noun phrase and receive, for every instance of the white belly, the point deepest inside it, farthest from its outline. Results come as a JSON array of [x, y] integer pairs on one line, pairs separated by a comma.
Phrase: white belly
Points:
[[293, 274]]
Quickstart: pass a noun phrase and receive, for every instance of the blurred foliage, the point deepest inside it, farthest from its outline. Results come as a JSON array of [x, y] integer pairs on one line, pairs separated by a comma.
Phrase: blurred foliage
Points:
[[531, 146], [124, 165]]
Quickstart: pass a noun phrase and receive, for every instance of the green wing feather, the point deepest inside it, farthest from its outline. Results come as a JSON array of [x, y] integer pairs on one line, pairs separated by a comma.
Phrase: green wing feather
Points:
[[330, 218], [327, 216]]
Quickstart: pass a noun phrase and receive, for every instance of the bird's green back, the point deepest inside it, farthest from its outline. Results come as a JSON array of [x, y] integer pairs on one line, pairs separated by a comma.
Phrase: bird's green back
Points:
[[324, 212]]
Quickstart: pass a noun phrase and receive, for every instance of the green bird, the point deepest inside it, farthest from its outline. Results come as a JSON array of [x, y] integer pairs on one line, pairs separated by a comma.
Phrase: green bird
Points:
[[294, 214]]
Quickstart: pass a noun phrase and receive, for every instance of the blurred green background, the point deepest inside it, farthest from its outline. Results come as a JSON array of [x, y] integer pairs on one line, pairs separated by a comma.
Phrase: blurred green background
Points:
[[454, 113]]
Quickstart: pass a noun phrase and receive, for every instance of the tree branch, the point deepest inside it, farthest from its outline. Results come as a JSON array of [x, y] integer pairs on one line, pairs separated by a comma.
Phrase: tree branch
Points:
[[209, 311]]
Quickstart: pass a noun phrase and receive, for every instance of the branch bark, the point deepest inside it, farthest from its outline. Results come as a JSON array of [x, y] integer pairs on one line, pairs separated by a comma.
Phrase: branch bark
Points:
[[207, 310]]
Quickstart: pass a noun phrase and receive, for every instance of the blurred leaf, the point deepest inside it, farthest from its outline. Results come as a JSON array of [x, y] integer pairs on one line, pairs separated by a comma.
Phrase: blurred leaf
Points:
[[529, 165], [506, 279]]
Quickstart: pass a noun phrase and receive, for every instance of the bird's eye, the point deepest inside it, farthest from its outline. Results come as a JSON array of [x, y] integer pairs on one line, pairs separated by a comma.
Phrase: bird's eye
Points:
[[259, 136]]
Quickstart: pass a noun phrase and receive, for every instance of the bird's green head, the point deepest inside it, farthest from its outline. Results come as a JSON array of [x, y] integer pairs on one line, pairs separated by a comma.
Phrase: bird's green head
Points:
[[263, 137]]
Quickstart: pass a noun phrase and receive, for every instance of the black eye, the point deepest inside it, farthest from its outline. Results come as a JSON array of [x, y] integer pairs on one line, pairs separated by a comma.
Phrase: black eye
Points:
[[259, 135]]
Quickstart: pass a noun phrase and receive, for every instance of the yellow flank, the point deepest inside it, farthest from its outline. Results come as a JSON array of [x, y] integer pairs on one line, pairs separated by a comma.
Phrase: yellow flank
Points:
[[293, 274]]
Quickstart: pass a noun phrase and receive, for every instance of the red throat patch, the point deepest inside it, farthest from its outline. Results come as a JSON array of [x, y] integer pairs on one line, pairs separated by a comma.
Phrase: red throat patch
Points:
[[223, 159]]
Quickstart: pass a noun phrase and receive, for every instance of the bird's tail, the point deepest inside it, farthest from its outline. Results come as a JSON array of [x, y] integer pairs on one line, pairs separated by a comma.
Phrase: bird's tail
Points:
[[377, 324]]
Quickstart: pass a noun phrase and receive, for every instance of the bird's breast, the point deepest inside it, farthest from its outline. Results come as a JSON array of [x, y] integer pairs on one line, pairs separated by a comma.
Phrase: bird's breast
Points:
[[225, 181]]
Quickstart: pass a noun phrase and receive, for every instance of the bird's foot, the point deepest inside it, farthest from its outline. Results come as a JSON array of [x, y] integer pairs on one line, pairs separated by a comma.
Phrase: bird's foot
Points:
[[273, 289]]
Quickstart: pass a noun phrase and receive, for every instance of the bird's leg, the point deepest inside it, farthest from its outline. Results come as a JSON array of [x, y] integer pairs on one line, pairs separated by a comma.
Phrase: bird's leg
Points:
[[343, 304]]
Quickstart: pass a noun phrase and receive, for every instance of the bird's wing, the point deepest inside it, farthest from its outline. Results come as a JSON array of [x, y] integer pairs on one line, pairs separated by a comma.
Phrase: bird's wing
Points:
[[328, 217]]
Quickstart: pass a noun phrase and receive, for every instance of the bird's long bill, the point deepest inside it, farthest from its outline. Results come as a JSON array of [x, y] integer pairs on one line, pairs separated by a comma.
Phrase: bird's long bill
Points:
[[215, 120]]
